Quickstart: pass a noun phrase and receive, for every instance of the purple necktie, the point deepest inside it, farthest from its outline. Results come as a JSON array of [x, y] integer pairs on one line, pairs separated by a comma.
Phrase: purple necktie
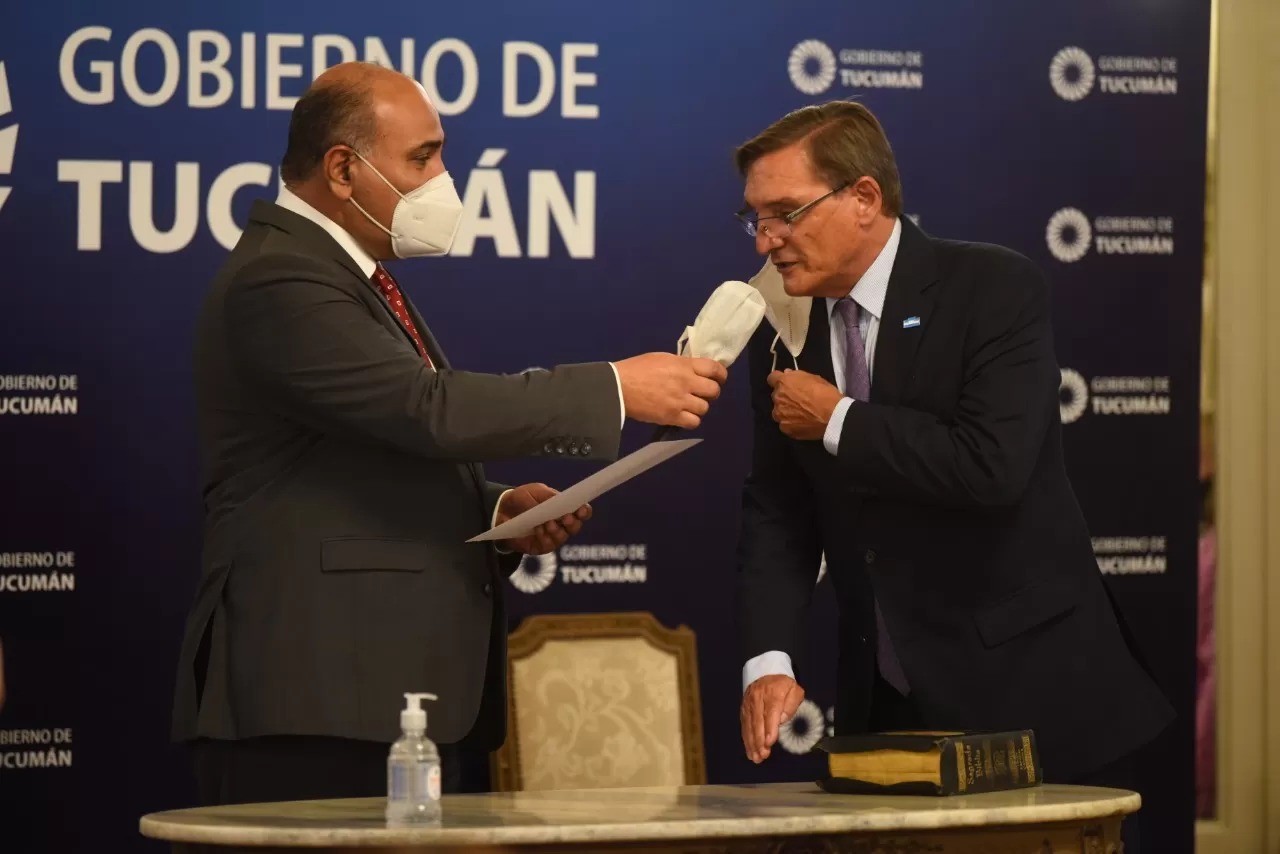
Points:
[[857, 384]]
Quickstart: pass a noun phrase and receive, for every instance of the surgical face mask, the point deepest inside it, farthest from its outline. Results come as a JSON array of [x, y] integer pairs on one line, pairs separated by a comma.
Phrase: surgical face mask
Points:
[[788, 315], [724, 325], [425, 221]]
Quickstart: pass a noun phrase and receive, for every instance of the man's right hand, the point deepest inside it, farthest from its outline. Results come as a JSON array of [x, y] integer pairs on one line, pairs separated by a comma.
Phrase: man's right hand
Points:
[[670, 390], [767, 704]]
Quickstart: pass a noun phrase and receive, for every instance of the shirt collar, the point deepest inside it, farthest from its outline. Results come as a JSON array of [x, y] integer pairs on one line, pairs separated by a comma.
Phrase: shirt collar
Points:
[[870, 290], [363, 259]]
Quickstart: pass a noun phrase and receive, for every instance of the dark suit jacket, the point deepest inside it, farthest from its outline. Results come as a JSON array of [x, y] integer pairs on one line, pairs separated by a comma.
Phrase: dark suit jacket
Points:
[[949, 503], [341, 483]]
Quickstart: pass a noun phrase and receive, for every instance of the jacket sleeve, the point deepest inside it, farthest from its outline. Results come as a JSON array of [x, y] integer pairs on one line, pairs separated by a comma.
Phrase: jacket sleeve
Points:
[[316, 353], [780, 545], [983, 455]]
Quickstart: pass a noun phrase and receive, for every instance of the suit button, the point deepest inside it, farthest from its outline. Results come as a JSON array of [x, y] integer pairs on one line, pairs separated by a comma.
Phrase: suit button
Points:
[[488, 589], [870, 556], [560, 448], [586, 448], [573, 449], [548, 448]]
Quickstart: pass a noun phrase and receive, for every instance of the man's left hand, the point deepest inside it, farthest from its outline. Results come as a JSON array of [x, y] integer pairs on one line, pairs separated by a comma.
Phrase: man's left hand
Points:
[[548, 536], [802, 403]]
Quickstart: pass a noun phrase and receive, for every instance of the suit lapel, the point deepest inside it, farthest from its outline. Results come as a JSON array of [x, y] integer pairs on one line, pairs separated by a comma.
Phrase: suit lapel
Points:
[[907, 314], [393, 323], [273, 215], [389, 319], [388, 314], [816, 355], [433, 346]]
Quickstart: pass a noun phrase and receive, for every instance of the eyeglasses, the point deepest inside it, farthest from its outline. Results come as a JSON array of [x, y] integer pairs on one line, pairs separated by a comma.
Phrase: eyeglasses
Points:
[[751, 219]]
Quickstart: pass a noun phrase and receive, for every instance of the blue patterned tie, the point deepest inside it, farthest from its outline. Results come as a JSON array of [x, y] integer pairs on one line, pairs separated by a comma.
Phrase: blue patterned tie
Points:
[[857, 384]]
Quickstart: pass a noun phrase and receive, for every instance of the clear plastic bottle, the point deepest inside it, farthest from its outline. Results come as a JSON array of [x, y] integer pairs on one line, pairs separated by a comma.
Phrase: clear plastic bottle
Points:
[[413, 769]]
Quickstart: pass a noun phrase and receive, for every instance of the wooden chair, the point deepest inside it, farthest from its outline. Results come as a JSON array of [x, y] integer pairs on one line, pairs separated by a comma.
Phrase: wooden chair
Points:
[[600, 701]]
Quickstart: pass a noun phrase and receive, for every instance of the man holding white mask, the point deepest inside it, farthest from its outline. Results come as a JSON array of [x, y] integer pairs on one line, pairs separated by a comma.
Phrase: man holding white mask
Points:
[[342, 469], [906, 427]]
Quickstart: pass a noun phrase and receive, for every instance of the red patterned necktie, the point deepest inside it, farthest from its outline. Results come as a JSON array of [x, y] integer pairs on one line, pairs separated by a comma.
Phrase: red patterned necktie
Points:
[[395, 301]]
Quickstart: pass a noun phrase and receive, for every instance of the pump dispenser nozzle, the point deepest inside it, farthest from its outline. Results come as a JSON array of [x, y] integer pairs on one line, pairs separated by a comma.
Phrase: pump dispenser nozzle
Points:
[[413, 718]]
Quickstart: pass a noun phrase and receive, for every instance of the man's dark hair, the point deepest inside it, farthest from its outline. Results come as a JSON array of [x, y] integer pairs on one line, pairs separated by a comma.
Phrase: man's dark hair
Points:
[[845, 142], [325, 116]]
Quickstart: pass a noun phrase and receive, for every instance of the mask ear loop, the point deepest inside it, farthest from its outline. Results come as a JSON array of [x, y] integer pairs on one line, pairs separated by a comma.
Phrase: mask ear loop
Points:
[[773, 349], [794, 362]]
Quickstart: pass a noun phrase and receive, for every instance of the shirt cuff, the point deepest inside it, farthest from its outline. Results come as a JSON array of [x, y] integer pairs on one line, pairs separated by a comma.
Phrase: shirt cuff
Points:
[[622, 404], [493, 523], [831, 439], [772, 663]]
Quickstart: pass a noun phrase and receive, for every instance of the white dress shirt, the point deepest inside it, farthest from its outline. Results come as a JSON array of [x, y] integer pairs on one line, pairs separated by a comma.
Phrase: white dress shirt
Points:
[[368, 264], [869, 293]]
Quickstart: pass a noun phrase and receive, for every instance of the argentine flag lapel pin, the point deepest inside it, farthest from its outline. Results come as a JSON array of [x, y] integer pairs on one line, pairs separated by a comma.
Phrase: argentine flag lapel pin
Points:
[[910, 322]]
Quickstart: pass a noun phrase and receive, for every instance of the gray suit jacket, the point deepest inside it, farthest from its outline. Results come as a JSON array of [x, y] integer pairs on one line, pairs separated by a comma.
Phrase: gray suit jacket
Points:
[[341, 483]]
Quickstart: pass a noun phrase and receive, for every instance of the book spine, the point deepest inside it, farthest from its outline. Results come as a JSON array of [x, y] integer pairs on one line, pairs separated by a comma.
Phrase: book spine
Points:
[[989, 763]]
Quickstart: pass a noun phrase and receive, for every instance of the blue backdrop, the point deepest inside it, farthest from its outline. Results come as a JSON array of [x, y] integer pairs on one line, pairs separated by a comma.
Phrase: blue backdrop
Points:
[[592, 143]]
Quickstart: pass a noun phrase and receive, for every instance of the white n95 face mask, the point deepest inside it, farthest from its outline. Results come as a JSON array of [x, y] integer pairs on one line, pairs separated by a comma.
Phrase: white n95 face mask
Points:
[[724, 325], [788, 315], [425, 220]]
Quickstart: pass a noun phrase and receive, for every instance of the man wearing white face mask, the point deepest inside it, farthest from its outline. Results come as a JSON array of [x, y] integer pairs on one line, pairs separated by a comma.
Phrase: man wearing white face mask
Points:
[[342, 469]]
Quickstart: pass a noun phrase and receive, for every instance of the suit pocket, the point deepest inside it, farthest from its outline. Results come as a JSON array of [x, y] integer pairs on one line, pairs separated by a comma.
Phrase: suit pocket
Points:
[[364, 554], [1025, 610]]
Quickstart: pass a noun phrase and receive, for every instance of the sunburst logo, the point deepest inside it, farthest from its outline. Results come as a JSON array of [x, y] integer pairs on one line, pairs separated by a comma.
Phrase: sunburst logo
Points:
[[1071, 74], [805, 729], [8, 135], [1073, 396], [1068, 235], [812, 67], [535, 573]]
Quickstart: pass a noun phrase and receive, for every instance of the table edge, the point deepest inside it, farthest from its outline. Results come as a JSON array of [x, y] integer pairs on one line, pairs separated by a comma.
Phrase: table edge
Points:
[[153, 826]]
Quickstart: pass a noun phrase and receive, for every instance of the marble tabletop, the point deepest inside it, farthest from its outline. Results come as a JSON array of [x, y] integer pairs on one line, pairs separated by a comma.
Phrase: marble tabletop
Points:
[[642, 814]]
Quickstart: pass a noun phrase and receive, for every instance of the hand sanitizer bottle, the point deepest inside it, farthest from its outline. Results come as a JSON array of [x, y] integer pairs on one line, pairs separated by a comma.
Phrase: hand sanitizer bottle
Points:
[[413, 769]]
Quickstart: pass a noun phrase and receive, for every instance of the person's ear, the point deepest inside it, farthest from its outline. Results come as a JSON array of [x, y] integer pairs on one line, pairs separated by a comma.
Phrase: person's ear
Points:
[[337, 170], [866, 191]]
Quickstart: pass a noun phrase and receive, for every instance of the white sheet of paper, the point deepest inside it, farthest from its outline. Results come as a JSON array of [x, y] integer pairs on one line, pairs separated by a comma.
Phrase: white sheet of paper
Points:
[[587, 490]]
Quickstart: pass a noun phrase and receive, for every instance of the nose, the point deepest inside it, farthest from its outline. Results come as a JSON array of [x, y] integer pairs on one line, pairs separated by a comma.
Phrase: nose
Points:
[[766, 243]]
